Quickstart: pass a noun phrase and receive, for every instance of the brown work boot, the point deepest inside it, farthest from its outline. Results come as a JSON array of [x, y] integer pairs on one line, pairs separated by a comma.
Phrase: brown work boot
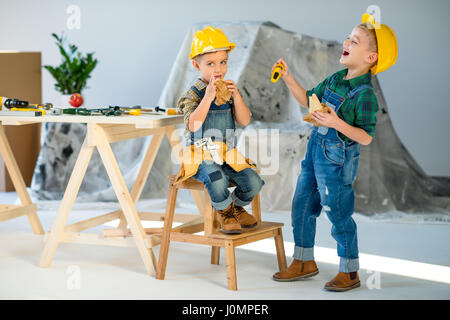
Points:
[[244, 218], [343, 282], [297, 270], [228, 222]]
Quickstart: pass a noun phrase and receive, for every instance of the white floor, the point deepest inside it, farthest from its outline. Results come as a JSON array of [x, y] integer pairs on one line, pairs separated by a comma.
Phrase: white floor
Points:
[[402, 257]]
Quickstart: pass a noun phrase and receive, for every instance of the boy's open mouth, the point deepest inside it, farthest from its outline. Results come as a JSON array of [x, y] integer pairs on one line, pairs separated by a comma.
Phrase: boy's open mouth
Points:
[[345, 53], [217, 77]]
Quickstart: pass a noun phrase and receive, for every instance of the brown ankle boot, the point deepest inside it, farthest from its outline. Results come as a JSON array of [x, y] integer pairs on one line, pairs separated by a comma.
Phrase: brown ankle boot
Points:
[[228, 222], [244, 218], [343, 282], [297, 270]]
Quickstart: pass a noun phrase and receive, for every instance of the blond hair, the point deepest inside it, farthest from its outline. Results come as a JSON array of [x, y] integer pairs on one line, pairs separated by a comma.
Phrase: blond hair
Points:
[[198, 57], [370, 31]]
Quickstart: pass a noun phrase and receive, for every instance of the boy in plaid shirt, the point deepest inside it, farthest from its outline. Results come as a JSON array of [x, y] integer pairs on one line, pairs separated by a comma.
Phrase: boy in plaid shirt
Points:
[[218, 162], [331, 161]]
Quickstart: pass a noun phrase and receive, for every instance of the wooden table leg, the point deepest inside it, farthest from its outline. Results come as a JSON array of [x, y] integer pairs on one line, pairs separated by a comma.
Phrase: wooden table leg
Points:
[[142, 176], [147, 164], [66, 204], [17, 179], [125, 200]]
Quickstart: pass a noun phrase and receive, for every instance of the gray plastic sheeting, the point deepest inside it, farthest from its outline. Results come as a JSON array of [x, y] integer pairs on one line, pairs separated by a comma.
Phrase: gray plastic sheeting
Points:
[[388, 177]]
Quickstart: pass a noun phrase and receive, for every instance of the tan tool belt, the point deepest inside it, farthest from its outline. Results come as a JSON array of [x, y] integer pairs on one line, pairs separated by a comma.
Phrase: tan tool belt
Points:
[[192, 157]]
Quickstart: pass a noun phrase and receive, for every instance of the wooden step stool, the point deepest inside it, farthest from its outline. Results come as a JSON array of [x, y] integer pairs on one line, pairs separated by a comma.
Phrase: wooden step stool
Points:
[[212, 236]]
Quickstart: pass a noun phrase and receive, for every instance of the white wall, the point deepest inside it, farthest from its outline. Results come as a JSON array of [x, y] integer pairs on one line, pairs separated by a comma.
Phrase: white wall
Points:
[[136, 43]]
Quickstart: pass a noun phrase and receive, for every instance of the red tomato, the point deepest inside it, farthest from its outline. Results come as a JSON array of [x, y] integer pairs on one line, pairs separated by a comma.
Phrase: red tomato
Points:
[[76, 100]]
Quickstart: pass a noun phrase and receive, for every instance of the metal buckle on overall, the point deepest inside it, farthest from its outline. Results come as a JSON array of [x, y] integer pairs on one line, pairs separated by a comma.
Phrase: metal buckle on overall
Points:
[[208, 144]]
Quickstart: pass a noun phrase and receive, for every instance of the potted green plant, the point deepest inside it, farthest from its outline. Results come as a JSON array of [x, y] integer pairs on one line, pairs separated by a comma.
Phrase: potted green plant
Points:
[[75, 69]]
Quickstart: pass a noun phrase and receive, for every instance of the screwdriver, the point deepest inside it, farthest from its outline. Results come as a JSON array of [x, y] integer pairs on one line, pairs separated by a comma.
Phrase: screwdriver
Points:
[[132, 112], [12, 103], [169, 111], [79, 111], [135, 111], [29, 109]]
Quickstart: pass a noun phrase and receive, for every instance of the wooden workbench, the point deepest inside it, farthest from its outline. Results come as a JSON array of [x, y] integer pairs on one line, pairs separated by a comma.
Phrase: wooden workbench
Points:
[[101, 132]]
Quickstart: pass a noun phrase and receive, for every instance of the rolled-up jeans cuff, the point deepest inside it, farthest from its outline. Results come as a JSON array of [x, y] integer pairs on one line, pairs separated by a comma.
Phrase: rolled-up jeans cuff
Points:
[[348, 265], [223, 204], [238, 201], [304, 254]]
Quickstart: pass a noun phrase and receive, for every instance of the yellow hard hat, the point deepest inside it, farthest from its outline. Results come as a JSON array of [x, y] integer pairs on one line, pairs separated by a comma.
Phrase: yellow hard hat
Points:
[[387, 44], [209, 39]]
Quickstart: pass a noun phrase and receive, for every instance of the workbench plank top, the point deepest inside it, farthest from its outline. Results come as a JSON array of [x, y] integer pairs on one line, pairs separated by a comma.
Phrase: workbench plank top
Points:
[[142, 121]]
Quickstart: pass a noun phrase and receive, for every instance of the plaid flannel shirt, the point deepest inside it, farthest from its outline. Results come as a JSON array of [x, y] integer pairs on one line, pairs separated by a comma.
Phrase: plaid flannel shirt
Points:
[[189, 101], [360, 112]]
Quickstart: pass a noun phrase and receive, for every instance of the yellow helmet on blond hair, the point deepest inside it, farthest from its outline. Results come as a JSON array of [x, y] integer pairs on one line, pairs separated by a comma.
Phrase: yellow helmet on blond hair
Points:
[[387, 44], [208, 40]]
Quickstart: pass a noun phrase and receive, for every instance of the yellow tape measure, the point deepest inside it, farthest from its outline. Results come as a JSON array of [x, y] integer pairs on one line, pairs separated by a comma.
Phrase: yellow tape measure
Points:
[[276, 74]]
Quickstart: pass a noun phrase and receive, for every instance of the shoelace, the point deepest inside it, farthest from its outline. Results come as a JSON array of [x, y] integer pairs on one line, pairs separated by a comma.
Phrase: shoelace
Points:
[[239, 211], [229, 213]]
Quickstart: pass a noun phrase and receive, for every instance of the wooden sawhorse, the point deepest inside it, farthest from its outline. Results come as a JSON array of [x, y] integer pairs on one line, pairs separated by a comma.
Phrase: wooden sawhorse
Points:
[[10, 211], [100, 135]]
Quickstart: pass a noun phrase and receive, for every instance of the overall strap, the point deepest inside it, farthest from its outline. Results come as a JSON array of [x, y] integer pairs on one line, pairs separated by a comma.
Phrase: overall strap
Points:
[[354, 91], [198, 92]]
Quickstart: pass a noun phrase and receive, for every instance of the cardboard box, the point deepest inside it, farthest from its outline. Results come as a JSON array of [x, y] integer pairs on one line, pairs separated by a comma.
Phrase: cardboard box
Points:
[[20, 77]]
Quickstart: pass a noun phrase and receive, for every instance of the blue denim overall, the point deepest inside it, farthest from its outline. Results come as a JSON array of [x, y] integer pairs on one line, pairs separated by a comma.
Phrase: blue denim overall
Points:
[[326, 181], [219, 125]]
